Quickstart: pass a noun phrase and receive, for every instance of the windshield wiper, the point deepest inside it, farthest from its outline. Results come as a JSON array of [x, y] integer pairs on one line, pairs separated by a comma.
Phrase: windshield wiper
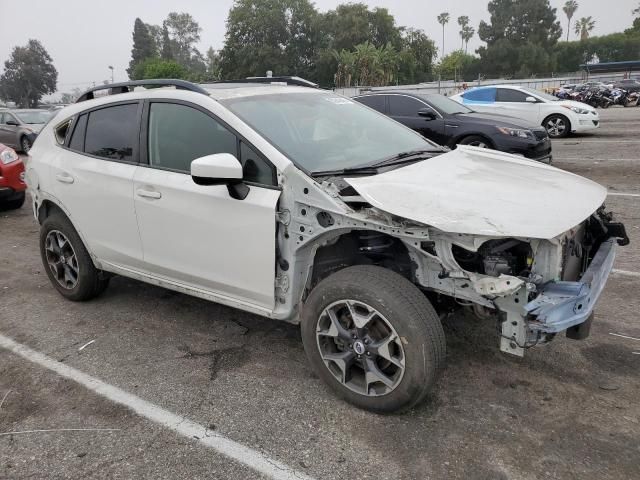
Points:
[[372, 169], [406, 157], [365, 170]]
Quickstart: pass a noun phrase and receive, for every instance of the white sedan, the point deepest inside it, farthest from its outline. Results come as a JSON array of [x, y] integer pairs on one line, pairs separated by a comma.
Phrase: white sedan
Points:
[[559, 117]]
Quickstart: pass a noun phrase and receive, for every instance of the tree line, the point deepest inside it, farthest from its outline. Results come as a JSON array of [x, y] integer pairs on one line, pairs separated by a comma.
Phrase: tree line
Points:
[[348, 46]]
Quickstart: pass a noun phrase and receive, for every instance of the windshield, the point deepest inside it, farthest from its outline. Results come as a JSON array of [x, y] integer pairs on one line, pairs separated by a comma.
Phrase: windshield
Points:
[[324, 131], [33, 117], [446, 105], [538, 93]]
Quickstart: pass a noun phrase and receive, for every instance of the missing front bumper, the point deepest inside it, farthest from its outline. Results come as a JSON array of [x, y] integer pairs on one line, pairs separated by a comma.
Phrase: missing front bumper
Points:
[[566, 305]]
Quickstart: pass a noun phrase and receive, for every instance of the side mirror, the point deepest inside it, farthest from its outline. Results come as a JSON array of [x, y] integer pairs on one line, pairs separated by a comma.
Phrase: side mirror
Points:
[[13, 123], [220, 169], [427, 114], [531, 100]]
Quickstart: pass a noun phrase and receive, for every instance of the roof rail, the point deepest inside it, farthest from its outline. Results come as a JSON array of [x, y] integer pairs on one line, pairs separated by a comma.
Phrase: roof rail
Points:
[[124, 87], [288, 80]]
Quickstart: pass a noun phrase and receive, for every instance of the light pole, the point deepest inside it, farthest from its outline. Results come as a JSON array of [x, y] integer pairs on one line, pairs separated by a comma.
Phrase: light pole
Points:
[[111, 68]]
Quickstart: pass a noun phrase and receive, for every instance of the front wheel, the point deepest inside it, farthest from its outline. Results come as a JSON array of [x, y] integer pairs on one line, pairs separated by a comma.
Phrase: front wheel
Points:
[[374, 338], [557, 126], [475, 141]]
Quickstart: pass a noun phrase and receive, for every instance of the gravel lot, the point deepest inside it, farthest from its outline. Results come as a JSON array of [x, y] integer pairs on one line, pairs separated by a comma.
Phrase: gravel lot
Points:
[[568, 410]]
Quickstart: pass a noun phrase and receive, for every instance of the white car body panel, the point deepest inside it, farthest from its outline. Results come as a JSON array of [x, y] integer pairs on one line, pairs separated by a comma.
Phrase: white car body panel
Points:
[[200, 236], [475, 191], [536, 113], [107, 221]]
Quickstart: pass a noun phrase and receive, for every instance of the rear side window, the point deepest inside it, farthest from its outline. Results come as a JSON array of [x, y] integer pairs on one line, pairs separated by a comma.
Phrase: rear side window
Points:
[[179, 134], [377, 102], [77, 137], [511, 96], [111, 132], [400, 106], [482, 95]]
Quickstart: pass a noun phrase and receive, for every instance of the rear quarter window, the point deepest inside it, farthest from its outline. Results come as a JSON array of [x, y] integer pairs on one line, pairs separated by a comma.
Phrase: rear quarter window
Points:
[[481, 95], [112, 132]]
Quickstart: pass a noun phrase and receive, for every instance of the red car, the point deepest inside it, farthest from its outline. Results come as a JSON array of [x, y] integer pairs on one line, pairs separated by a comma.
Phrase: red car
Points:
[[12, 186]]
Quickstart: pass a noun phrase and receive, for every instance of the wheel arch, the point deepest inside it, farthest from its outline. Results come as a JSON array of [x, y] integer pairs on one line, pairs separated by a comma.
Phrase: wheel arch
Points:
[[48, 207], [456, 141], [359, 247]]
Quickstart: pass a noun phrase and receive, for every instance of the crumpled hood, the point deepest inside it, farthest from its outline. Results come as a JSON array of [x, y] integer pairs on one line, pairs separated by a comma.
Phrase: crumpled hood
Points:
[[484, 192]]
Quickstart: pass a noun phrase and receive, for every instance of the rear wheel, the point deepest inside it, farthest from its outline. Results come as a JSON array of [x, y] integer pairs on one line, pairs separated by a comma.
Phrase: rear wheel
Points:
[[374, 338], [25, 144], [475, 141], [558, 126], [67, 262]]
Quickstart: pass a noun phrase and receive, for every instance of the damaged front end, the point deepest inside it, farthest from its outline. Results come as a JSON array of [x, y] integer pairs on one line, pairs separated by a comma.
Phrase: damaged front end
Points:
[[538, 288]]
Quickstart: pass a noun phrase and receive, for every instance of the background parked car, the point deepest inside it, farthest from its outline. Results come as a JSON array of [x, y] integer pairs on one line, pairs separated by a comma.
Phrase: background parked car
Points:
[[559, 117], [449, 123], [19, 128], [630, 85], [12, 185]]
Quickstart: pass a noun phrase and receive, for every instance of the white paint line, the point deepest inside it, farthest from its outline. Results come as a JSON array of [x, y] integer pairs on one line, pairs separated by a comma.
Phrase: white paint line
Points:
[[611, 194], [86, 345], [578, 142], [623, 336], [635, 353], [626, 273], [22, 432], [599, 161], [623, 194], [181, 425]]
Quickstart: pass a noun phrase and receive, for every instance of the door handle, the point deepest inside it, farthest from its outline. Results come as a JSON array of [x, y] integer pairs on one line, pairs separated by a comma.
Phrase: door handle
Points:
[[141, 192], [64, 177]]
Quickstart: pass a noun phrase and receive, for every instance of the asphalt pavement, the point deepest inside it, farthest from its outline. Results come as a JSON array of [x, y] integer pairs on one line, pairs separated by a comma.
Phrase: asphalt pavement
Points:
[[176, 387]]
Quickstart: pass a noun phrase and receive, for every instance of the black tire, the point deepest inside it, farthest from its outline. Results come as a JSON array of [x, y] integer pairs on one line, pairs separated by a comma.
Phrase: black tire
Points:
[[408, 311], [14, 203], [476, 140], [91, 282], [557, 133], [25, 144]]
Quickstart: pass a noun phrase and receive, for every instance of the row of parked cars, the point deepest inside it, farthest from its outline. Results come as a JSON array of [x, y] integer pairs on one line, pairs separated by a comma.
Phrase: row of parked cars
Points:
[[18, 130], [301, 205], [511, 119]]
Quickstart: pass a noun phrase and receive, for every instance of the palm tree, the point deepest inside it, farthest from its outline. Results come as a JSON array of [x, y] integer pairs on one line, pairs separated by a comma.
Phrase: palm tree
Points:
[[467, 34], [570, 8], [584, 26], [463, 22], [443, 19]]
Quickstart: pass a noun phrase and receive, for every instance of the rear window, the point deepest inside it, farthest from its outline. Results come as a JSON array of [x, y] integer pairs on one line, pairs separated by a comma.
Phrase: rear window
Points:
[[511, 96], [112, 132], [481, 95]]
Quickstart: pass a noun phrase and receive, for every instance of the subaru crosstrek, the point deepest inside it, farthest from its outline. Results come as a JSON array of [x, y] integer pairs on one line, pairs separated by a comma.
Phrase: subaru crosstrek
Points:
[[301, 205]]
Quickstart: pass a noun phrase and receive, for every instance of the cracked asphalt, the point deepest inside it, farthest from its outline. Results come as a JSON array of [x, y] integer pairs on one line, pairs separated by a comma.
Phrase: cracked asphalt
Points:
[[567, 410]]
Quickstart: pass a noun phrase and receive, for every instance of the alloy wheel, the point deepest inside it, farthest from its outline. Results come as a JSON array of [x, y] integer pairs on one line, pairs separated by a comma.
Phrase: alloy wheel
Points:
[[25, 144], [62, 259], [556, 126], [360, 348]]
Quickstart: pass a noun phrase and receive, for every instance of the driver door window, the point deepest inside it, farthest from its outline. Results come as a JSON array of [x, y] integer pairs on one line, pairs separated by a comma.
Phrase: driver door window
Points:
[[511, 96], [178, 134]]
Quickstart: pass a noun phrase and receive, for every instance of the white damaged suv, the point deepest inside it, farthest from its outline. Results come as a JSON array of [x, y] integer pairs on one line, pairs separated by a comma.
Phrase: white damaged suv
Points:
[[298, 204]]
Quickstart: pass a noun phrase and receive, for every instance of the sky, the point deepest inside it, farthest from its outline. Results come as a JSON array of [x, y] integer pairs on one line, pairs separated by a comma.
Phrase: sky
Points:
[[84, 37]]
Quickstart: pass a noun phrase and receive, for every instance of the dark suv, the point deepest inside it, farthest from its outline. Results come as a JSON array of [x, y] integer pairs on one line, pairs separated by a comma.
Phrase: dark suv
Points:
[[449, 123]]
